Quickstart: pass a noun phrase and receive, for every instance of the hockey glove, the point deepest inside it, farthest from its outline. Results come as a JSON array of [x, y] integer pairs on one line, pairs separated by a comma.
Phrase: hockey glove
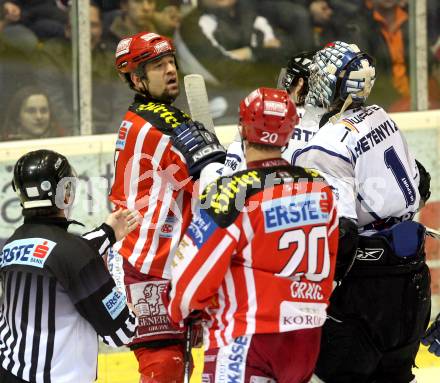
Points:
[[199, 146], [432, 337]]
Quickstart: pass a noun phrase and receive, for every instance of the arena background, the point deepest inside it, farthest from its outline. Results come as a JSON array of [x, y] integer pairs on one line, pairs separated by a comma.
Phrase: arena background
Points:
[[87, 138]]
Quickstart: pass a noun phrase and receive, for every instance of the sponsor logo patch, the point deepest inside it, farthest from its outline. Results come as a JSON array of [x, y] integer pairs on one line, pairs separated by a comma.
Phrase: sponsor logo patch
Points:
[[114, 303], [152, 313], [231, 360], [29, 251], [122, 134], [274, 108], [123, 47], [293, 211], [301, 315], [163, 46], [201, 228]]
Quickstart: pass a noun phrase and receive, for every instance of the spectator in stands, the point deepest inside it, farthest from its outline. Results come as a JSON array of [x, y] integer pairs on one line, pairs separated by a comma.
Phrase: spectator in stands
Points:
[[231, 46], [54, 74], [326, 26], [291, 22], [30, 116], [387, 32], [43, 17], [13, 32], [142, 15], [15, 68]]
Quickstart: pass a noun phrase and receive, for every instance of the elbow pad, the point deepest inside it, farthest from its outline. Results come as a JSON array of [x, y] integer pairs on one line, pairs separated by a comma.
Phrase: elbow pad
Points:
[[348, 243]]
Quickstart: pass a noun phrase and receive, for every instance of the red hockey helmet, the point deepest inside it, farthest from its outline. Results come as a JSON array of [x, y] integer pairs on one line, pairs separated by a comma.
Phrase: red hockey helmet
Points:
[[268, 116], [140, 48]]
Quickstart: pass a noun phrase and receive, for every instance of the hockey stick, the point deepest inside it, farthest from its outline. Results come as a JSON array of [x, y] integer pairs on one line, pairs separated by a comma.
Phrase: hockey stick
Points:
[[281, 78], [198, 102], [187, 354], [432, 233]]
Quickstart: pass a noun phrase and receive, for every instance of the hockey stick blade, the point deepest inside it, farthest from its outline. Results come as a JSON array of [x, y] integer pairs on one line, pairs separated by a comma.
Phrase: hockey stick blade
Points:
[[281, 78], [432, 233], [198, 102]]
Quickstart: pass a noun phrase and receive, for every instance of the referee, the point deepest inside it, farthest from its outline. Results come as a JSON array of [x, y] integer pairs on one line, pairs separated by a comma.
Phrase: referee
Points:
[[57, 293]]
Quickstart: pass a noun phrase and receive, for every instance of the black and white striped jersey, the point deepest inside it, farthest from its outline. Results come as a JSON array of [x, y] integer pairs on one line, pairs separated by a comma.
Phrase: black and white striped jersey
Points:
[[57, 296]]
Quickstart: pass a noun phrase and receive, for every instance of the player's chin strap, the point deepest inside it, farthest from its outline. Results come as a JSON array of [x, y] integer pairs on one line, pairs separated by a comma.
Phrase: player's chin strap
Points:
[[367, 74], [334, 119]]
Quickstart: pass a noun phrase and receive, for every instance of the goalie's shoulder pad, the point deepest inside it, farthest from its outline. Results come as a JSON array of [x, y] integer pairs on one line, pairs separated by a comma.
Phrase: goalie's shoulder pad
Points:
[[162, 116], [226, 197]]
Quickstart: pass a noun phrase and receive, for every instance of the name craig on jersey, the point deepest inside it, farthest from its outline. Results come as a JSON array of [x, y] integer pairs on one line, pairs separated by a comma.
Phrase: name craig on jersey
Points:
[[306, 290], [374, 137]]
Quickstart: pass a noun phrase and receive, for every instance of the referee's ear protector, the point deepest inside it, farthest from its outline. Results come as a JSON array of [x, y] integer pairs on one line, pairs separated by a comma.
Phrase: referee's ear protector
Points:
[[44, 178]]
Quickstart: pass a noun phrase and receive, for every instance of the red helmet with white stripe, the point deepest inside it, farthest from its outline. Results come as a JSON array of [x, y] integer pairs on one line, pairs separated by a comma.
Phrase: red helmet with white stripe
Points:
[[268, 117], [140, 48]]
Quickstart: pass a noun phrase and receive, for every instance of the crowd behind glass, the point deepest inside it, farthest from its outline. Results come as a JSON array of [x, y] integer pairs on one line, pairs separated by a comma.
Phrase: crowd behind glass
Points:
[[236, 45]]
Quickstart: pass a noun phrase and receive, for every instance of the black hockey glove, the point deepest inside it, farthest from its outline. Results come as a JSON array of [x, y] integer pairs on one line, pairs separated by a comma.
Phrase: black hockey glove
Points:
[[199, 146], [425, 182], [432, 337]]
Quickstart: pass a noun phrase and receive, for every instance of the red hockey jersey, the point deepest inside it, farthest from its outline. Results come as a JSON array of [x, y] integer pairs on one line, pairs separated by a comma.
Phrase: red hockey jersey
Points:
[[151, 176], [260, 255]]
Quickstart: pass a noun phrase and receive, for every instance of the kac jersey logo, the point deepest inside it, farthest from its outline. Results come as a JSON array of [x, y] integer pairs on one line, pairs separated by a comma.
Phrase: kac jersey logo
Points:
[[29, 251]]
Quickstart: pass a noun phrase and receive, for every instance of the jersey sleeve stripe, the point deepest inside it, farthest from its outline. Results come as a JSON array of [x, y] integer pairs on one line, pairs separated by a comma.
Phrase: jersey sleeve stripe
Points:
[[177, 152], [234, 231], [230, 291], [146, 231], [329, 152], [201, 274], [159, 217], [249, 276], [94, 234], [219, 315], [135, 166], [104, 247], [177, 209]]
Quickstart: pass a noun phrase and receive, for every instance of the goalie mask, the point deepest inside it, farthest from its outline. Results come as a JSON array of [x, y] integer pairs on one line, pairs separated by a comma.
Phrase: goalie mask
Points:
[[340, 73], [268, 117], [44, 179]]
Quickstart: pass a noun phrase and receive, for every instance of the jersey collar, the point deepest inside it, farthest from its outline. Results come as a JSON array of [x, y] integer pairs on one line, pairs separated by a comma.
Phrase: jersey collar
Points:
[[270, 162]]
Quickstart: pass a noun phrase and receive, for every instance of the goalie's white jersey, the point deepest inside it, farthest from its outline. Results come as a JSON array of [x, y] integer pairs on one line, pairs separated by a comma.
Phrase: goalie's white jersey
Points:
[[365, 157]]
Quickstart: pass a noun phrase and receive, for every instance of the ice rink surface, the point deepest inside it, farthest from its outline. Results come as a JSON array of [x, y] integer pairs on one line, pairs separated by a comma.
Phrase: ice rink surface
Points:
[[121, 367]]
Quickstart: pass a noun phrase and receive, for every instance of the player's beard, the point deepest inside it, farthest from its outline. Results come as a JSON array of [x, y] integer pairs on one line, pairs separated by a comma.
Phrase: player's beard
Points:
[[168, 96]]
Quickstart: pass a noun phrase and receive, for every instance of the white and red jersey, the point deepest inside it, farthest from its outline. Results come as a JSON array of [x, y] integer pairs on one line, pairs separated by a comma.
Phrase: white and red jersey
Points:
[[151, 176], [260, 255]]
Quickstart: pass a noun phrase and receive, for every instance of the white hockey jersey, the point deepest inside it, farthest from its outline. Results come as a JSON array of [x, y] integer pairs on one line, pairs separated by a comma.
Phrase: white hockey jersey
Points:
[[304, 131], [365, 157]]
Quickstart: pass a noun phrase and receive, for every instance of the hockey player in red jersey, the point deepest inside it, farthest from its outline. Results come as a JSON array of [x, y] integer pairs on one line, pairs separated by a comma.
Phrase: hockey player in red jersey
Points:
[[259, 258], [153, 177]]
